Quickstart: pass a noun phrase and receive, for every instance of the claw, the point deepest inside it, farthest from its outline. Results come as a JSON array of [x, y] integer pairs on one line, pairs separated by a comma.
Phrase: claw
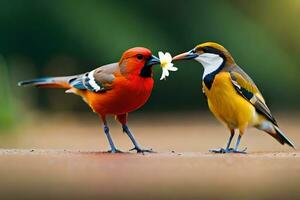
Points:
[[139, 150], [114, 151], [242, 151], [221, 150], [132, 149], [230, 150]]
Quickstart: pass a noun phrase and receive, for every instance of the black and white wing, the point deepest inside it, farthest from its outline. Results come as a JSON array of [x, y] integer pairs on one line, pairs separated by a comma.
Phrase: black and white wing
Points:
[[245, 87], [97, 80]]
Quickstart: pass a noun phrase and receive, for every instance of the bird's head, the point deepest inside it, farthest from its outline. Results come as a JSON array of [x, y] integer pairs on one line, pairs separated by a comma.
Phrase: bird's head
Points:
[[208, 54], [138, 61]]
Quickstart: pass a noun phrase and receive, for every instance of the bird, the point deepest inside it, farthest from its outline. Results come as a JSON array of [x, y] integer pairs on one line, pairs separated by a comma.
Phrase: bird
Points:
[[232, 95], [113, 89]]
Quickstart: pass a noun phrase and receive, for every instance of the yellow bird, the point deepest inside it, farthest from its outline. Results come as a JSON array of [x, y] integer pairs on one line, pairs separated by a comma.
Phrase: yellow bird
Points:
[[232, 96]]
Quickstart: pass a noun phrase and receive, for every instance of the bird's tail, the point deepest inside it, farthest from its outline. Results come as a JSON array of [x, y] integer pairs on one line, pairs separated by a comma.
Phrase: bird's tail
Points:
[[282, 138], [51, 82], [274, 131]]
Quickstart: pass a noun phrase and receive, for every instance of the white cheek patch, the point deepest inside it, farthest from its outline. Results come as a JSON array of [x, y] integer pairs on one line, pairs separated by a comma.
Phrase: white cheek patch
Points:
[[92, 81], [211, 62]]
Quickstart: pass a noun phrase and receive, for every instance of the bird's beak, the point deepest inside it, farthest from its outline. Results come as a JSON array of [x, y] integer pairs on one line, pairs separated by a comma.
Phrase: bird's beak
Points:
[[185, 56], [152, 61]]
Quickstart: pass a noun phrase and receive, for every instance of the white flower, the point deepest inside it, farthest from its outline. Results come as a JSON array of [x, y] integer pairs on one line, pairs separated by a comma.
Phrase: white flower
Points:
[[166, 64]]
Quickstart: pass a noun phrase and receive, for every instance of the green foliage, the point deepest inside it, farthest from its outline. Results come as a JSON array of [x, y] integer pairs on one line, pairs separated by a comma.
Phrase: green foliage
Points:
[[6, 101], [263, 36]]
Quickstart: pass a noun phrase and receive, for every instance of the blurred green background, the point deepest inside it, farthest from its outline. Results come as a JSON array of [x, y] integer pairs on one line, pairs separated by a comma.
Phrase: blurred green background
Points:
[[52, 38]]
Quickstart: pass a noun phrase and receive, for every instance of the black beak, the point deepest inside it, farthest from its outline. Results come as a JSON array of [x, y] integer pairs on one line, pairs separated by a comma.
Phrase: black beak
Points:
[[153, 61]]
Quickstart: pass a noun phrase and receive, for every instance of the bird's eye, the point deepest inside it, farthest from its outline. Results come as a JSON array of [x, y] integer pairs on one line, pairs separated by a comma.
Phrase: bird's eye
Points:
[[205, 49], [140, 56]]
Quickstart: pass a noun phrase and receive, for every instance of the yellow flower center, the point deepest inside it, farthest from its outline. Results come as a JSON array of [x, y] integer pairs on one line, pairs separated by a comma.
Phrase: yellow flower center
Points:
[[164, 63]]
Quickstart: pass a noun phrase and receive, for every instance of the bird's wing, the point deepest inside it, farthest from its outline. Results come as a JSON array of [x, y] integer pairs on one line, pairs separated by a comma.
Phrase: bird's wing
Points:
[[98, 80], [245, 87]]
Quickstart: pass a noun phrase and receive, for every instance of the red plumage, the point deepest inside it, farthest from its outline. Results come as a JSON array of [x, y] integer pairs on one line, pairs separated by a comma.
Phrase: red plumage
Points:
[[114, 89]]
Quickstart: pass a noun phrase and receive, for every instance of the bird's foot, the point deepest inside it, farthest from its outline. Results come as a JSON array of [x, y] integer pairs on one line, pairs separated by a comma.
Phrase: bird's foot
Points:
[[115, 151], [221, 150], [229, 150], [242, 151], [139, 150]]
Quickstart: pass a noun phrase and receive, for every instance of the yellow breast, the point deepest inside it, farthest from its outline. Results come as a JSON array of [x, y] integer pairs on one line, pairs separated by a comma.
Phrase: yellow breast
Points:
[[226, 104]]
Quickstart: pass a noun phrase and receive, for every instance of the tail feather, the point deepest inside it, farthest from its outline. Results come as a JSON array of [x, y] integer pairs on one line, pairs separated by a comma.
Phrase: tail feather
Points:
[[281, 136], [275, 132], [52, 82]]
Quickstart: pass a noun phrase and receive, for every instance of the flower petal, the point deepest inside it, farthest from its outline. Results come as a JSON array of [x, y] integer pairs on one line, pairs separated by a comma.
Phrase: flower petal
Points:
[[173, 69], [168, 57], [167, 72], [168, 65], [161, 55], [162, 75]]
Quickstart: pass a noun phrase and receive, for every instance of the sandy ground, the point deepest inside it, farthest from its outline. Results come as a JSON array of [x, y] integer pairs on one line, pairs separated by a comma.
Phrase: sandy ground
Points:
[[63, 158]]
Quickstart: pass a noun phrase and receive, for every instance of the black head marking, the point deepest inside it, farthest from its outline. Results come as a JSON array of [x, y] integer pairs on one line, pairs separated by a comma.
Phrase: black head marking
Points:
[[146, 71], [209, 78], [209, 49]]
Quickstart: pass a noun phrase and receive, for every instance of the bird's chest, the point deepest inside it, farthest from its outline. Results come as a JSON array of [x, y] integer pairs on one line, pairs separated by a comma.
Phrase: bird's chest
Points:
[[125, 96], [135, 93], [223, 100], [220, 92]]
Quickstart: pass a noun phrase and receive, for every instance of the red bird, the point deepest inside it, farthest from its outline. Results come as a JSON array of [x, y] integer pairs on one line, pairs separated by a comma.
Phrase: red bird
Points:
[[113, 89]]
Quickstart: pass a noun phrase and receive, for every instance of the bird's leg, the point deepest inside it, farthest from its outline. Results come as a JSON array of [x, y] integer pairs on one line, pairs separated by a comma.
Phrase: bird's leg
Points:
[[122, 118], [230, 139], [113, 148], [228, 149], [133, 140], [237, 145]]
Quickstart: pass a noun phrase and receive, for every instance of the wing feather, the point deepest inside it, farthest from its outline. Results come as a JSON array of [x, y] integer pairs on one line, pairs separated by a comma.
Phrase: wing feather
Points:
[[245, 87], [98, 80]]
